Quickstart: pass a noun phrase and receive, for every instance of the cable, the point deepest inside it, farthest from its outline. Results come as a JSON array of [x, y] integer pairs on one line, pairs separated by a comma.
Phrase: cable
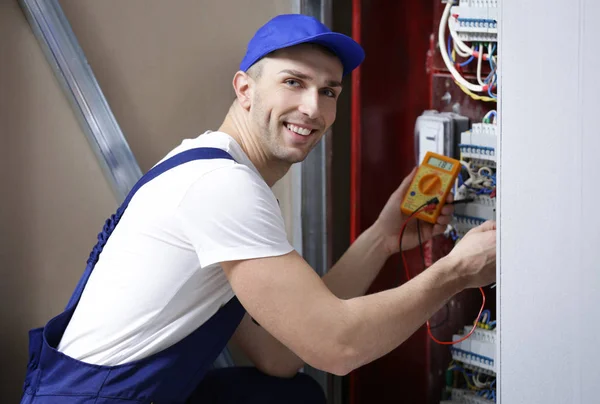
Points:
[[466, 336], [442, 39], [446, 306], [491, 113], [420, 244], [475, 96], [453, 57], [479, 63], [433, 202], [488, 316], [460, 51], [429, 205], [489, 90]]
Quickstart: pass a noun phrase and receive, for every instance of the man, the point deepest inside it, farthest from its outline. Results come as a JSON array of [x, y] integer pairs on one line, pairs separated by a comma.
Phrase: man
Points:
[[200, 252]]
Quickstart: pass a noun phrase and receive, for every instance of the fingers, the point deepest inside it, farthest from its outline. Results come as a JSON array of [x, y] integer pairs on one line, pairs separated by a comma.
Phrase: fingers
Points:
[[446, 213], [487, 226], [444, 220], [447, 210], [438, 229]]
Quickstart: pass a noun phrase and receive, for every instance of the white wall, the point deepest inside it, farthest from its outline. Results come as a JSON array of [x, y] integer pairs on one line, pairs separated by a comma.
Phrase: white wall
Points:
[[549, 224]]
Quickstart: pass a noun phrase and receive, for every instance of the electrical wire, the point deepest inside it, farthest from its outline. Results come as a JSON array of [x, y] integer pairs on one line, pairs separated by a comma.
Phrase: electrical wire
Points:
[[446, 306], [461, 47], [473, 95], [442, 44], [479, 64], [486, 117], [412, 215], [460, 51], [428, 205], [487, 315], [454, 52]]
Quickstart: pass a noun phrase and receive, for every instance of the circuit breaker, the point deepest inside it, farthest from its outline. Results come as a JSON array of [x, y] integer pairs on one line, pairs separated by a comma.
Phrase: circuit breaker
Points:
[[439, 133]]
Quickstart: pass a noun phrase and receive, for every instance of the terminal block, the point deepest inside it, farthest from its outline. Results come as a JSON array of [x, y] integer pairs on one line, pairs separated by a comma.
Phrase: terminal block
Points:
[[480, 142], [468, 397], [479, 350], [475, 20]]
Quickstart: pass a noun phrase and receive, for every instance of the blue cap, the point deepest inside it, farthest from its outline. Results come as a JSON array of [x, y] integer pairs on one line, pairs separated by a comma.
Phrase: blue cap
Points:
[[293, 29]]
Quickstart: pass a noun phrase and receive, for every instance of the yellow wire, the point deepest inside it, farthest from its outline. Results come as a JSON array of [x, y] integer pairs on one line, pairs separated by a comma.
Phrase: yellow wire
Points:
[[473, 95]]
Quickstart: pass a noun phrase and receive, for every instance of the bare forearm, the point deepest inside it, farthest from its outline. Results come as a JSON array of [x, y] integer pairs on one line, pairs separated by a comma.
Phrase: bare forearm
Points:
[[383, 321], [352, 275]]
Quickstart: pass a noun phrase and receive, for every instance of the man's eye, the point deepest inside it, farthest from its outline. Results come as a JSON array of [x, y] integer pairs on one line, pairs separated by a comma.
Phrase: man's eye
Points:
[[329, 93], [292, 83]]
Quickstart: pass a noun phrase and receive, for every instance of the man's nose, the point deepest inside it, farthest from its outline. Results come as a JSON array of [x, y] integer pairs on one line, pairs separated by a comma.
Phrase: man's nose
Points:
[[310, 104]]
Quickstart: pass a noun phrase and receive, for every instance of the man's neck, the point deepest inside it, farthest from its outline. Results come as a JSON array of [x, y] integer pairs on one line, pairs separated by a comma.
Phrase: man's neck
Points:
[[236, 126]]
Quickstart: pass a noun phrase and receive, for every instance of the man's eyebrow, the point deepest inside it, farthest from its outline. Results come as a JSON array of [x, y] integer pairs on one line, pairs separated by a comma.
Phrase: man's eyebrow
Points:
[[300, 75]]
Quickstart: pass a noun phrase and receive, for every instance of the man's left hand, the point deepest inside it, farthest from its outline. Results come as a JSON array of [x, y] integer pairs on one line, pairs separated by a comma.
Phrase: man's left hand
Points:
[[391, 219]]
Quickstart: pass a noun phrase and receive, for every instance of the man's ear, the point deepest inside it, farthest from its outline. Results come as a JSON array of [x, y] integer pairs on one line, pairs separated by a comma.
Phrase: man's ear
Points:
[[243, 86]]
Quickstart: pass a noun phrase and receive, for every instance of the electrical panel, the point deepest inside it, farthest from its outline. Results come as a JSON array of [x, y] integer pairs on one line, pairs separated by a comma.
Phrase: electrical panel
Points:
[[477, 180], [467, 45], [439, 133], [475, 20]]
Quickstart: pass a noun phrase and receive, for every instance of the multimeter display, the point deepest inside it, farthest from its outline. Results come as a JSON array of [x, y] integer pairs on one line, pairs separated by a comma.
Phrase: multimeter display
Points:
[[434, 179], [444, 165]]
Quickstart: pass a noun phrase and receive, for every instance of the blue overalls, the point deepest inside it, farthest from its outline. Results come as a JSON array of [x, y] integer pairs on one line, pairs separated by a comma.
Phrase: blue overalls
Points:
[[171, 376]]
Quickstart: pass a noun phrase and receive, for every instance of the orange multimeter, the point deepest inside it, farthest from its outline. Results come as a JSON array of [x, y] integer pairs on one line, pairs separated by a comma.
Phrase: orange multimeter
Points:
[[434, 179]]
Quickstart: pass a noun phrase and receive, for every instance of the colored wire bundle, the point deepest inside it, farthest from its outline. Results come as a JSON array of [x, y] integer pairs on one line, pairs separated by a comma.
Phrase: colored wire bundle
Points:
[[455, 46]]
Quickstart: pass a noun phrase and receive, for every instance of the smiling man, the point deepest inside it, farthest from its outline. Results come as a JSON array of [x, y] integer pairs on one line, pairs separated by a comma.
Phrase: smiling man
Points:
[[198, 255]]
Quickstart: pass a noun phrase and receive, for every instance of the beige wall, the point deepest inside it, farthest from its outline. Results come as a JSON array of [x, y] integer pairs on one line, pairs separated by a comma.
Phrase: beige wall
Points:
[[165, 68]]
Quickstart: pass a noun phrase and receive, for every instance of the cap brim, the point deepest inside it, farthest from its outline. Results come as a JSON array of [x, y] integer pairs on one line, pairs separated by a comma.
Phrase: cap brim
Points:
[[347, 49]]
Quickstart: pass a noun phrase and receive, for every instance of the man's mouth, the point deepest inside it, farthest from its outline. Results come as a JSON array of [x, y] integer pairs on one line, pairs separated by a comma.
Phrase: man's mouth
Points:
[[299, 129]]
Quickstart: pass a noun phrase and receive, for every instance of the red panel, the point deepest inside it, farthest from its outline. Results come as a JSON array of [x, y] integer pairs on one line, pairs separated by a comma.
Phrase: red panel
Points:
[[402, 76], [394, 91]]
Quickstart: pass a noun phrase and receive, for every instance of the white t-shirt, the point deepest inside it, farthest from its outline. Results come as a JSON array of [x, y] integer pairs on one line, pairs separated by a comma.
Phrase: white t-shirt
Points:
[[158, 277]]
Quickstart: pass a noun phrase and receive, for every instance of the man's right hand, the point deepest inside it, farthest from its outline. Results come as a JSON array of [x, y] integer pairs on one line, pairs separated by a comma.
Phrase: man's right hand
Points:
[[476, 255]]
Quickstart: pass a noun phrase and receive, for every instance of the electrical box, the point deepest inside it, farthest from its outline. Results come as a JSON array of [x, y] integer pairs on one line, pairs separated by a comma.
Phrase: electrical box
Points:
[[475, 20], [438, 132]]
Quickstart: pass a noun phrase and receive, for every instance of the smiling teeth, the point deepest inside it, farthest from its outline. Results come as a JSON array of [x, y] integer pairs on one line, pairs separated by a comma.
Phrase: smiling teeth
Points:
[[298, 130]]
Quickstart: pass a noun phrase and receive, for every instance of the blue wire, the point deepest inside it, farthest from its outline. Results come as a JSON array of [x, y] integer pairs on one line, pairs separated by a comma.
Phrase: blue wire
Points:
[[490, 92], [490, 58], [456, 367], [492, 324], [493, 382], [450, 53], [463, 64], [489, 315]]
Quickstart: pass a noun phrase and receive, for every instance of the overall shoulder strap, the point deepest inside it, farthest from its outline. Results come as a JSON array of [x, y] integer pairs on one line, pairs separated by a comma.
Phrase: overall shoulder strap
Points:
[[202, 153]]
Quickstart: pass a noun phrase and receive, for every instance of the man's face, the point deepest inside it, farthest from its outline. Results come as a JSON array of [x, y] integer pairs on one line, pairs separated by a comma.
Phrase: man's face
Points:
[[294, 100]]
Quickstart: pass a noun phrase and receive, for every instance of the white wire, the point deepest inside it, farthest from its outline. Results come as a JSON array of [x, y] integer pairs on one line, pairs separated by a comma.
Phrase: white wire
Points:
[[479, 63], [487, 116], [463, 47], [459, 43], [478, 383], [444, 52], [459, 51]]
